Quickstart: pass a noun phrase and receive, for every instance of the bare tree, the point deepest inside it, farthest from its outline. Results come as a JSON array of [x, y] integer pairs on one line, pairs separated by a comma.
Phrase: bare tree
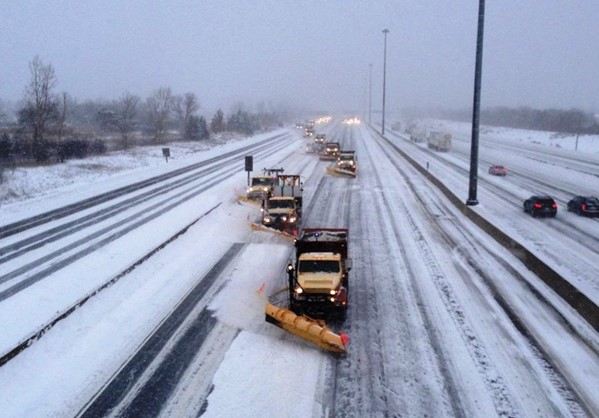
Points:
[[40, 103], [159, 106], [126, 108], [179, 111], [184, 107]]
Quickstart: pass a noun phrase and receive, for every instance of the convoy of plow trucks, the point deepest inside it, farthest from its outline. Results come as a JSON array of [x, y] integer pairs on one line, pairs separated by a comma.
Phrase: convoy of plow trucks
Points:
[[317, 282]]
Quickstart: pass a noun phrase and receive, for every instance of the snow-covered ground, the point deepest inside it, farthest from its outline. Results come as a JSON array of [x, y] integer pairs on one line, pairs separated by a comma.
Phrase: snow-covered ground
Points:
[[54, 376]]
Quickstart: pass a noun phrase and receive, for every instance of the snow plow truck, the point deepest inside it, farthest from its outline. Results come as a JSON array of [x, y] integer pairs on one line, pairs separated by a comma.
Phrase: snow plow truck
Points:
[[319, 276], [261, 187], [331, 151], [345, 164], [282, 211]]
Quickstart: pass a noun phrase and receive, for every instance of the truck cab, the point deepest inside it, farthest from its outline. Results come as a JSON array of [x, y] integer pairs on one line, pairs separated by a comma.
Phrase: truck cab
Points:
[[283, 209], [331, 151], [347, 161], [282, 213], [318, 280], [260, 187]]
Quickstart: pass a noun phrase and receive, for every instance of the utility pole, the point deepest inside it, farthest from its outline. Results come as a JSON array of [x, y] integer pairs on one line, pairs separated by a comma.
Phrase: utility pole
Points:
[[385, 32], [472, 189], [364, 103]]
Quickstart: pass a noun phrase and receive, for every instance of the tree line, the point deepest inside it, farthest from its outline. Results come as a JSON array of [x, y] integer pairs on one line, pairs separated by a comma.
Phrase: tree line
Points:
[[572, 121], [53, 127]]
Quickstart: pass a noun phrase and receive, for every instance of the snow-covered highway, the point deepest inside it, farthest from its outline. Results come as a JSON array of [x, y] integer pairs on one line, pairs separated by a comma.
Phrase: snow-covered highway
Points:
[[443, 320]]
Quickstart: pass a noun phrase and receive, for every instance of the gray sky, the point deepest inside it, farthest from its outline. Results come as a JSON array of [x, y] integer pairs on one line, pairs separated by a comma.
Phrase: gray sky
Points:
[[541, 53]]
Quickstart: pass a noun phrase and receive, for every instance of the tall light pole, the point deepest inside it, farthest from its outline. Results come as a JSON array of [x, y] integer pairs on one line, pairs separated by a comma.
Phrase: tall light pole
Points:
[[364, 104], [385, 32], [370, 99], [472, 189]]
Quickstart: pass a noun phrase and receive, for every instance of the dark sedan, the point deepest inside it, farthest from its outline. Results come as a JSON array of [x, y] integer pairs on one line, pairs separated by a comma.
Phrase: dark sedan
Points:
[[584, 205], [540, 206]]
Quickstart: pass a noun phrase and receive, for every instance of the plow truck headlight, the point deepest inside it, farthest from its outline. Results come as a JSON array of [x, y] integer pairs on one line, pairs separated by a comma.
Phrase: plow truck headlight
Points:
[[267, 219], [298, 293], [284, 218], [292, 219], [333, 292]]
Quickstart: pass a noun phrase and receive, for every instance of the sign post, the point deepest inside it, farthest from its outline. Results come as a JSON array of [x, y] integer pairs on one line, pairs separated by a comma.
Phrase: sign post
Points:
[[166, 152], [249, 165]]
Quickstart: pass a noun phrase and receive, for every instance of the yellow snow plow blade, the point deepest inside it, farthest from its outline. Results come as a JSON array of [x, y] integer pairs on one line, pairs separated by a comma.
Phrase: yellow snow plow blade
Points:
[[306, 328], [245, 199], [339, 172], [259, 227]]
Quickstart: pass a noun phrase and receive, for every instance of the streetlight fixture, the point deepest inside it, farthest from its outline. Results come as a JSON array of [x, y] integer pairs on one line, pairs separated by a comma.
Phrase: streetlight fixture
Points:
[[385, 32], [472, 189]]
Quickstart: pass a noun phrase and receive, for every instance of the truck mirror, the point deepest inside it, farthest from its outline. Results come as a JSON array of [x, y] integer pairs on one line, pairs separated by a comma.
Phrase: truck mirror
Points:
[[289, 267], [348, 264]]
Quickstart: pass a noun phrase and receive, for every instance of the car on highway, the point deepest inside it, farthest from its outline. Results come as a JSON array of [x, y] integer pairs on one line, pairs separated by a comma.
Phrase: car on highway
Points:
[[584, 205], [498, 170], [540, 206]]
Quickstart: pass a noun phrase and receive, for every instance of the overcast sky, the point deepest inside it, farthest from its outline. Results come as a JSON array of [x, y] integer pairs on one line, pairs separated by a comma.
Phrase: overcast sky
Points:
[[541, 53]]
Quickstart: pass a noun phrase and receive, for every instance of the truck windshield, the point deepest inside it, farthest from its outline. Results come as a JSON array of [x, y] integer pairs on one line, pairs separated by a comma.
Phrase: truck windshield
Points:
[[261, 181], [319, 266], [281, 204]]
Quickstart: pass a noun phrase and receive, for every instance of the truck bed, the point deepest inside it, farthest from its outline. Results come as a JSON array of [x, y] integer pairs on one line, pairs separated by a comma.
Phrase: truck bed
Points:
[[332, 240]]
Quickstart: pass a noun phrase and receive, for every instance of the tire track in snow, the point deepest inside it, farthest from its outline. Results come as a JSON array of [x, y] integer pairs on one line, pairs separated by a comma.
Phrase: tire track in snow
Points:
[[386, 206], [548, 365]]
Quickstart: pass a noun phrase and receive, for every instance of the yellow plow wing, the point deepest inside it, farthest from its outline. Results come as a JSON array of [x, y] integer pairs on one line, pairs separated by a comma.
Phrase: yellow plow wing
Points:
[[245, 199], [306, 328], [260, 227], [339, 172]]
